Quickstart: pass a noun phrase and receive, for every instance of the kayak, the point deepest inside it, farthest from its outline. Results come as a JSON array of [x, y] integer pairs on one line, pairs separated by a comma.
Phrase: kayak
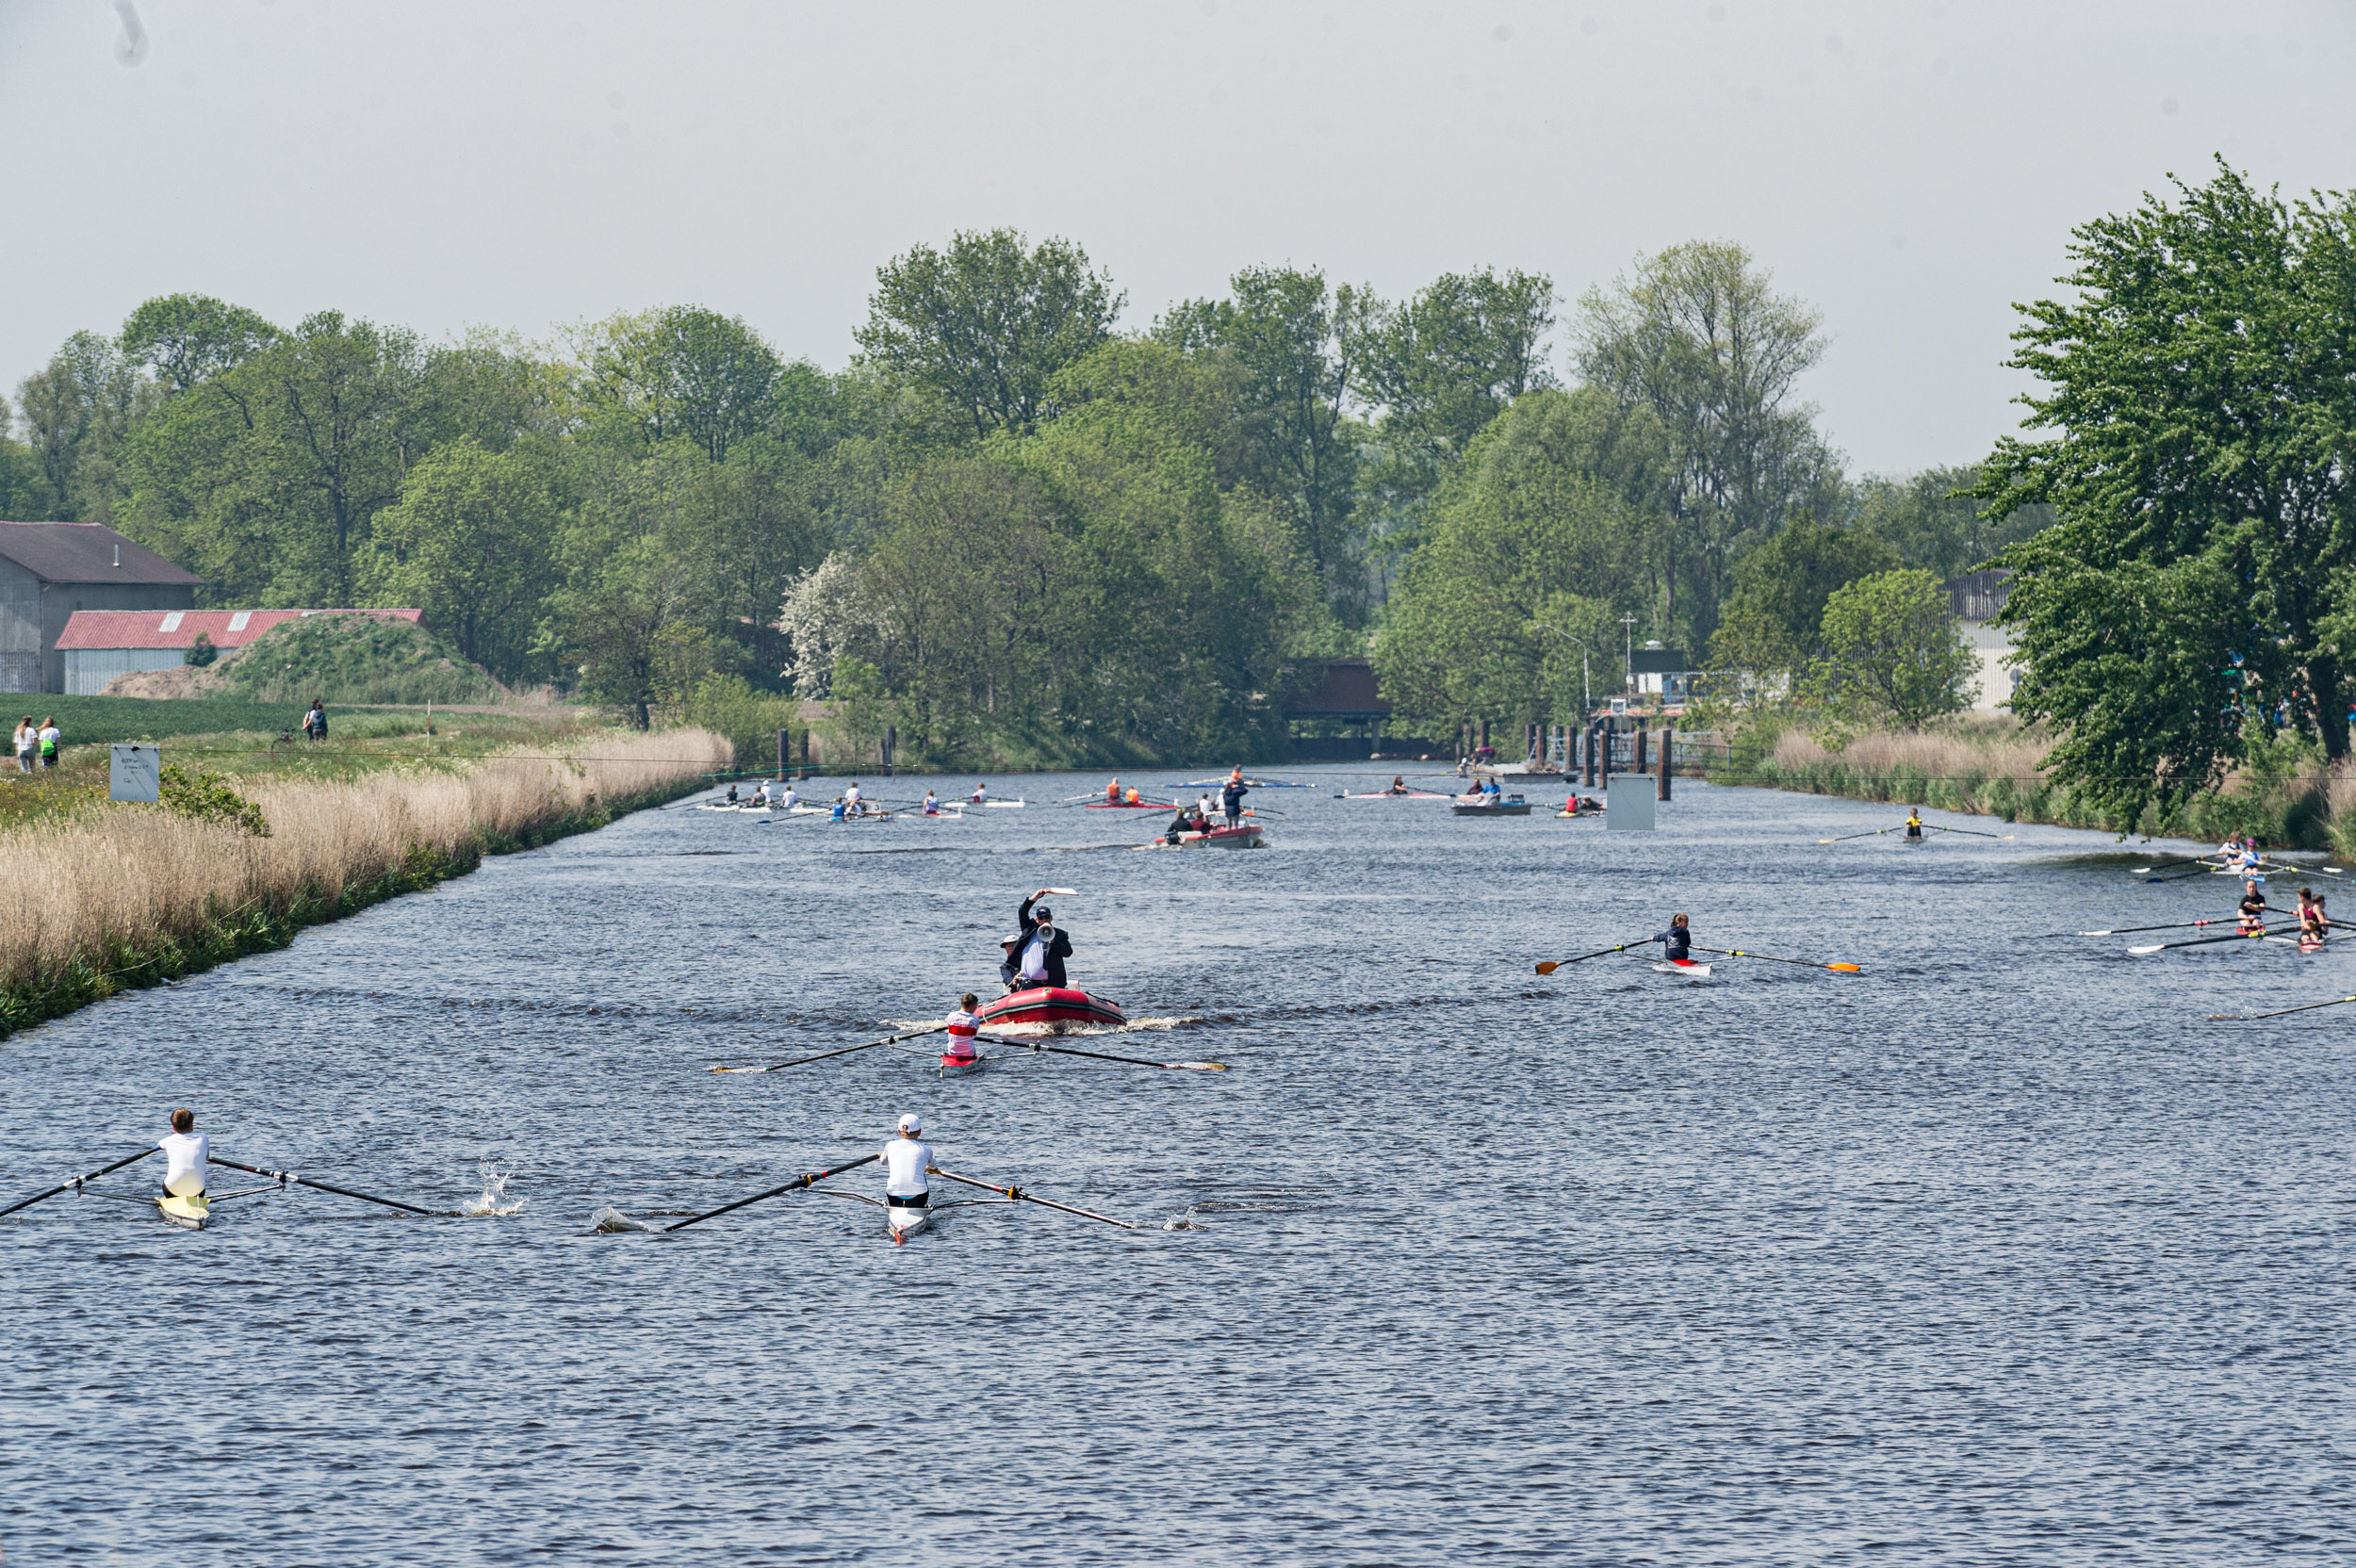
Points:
[[1055, 1009], [1396, 795]]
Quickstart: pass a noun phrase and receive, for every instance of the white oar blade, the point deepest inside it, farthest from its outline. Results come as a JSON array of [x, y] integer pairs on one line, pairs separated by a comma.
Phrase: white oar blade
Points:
[[2098, 933], [1065, 892], [2141, 951]]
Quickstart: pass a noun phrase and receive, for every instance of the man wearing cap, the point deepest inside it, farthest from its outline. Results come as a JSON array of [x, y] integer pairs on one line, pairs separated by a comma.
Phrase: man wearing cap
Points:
[[906, 1158], [1040, 960]]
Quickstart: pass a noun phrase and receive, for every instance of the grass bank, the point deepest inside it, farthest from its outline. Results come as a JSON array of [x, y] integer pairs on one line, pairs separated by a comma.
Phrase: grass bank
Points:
[[2284, 795], [109, 896]]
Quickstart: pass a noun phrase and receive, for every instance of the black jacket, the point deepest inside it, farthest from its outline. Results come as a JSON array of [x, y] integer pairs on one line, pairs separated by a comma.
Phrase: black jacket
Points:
[[1057, 950], [1678, 941]]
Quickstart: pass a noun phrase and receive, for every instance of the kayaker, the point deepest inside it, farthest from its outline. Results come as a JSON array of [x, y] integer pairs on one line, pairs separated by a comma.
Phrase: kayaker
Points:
[[963, 1027], [1678, 941], [1231, 797], [2253, 909], [932, 804], [2311, 920], [187, 1153], [1914, 821], [1044, 948], [906, 1158]]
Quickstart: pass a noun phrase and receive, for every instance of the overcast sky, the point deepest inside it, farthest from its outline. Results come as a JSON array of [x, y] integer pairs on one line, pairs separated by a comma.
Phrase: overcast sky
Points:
[[1908, 169]]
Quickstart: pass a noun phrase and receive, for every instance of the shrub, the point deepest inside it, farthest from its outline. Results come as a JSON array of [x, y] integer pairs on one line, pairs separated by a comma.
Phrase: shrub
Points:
[[202, 795]]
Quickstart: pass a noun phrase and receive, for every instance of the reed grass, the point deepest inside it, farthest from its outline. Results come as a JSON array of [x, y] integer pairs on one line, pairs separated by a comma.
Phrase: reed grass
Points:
[[2282, 795], [108, 896]]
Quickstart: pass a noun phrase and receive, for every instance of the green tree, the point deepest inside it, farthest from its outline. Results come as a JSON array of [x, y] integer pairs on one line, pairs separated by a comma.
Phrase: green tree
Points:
[[1891, 651], [2200, 392], [24, 488], [682, 372], [634, 636], [1697, 337], [76, 410], [1301, 348], [190, 338], [1932, 519], [470, 542], [1526, 537], [1786, 579], [986, 324], [1444, 362]]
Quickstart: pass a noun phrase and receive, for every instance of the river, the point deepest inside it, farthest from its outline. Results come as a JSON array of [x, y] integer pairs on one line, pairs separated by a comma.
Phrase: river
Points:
[[1995, 1252]]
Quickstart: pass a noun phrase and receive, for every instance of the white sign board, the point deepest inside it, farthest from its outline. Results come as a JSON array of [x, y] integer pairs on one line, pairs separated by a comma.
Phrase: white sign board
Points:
[[1631, 803], [136, 772]]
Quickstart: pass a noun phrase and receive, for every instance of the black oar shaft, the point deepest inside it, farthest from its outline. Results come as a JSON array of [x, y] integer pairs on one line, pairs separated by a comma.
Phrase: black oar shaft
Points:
[[72, 1182], [323, 1186], [2280, 1012], [845, 1051], [809, 1178], [1600, 952], [1017, 1194], [1099, 1055]]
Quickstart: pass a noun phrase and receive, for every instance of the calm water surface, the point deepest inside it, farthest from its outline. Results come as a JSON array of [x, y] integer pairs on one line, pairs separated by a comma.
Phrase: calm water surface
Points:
[[1995, 1253]]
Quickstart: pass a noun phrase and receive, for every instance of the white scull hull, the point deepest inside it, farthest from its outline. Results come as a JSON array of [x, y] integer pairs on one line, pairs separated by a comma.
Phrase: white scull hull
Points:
[[904, 1223], [1692, 971], [189, 1214]]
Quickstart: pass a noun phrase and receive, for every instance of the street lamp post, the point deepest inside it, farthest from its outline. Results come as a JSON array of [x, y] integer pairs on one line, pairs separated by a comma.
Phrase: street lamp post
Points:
[[1586, 686], [1629, 622]]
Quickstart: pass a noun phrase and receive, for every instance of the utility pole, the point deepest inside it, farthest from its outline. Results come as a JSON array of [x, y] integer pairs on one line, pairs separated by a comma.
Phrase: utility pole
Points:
[[1629, 622]]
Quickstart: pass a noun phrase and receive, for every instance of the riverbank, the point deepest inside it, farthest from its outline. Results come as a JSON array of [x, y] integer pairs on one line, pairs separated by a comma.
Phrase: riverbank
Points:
[[108, 897], [2282, 799]]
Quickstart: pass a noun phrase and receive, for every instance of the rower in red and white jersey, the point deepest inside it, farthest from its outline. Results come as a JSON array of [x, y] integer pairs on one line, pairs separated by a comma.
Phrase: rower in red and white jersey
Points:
[[962, 1027]]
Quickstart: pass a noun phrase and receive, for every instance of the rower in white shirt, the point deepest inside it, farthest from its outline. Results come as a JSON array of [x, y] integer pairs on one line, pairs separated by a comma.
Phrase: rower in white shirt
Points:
[[906, 1195], [186, 1154], [786, 801], [981, 794], [850, 800]]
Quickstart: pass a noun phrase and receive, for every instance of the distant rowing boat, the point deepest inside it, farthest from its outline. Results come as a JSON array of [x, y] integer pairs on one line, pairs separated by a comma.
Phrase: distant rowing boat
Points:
[[1243, 836], [1512, 806]]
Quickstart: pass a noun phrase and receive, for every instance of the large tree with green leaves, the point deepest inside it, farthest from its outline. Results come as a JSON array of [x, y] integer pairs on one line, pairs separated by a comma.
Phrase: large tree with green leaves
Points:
[[1301, 348], [2196, 590], [470, 542], [985, 323], [1697, 336], [1890, 651]]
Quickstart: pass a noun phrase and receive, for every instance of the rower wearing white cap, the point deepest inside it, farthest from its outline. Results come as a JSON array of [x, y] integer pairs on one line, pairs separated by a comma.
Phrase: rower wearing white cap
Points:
[[906, 1158], [186, 1154]]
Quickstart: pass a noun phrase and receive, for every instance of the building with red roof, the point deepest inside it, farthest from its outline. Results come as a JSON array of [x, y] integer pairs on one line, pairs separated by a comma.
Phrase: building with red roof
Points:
[[99, 645]]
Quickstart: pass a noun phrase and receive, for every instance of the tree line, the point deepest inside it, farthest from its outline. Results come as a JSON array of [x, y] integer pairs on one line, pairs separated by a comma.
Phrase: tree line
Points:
[[1007, 529]]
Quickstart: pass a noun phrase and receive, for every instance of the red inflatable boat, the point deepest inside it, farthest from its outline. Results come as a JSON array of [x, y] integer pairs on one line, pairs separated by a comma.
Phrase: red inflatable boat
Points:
[[1051, 1009]]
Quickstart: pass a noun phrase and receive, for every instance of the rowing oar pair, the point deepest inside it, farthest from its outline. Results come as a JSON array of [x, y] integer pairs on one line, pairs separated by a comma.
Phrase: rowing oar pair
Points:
[[2150, 948], [2138, 930], [994, 1039], [811, 1179], [1970, 832], [281, 1177], [2280, 1012], [1553, 964]]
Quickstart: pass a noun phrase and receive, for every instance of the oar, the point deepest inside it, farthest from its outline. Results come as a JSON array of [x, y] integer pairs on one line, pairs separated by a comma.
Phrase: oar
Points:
[[1553, 964], [2133, 930], [2280, 1012], [868, 1045], [74, 1182], [790, 1187], [284, 1176], [1019, 1194], [1847, 837], [1972, 832], [2165, 865], [2205, 941], [1133, 1061], [1804, 963]]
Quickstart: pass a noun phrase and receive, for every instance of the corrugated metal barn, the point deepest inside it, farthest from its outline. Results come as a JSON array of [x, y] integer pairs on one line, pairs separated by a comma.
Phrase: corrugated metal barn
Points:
[[99, 645]]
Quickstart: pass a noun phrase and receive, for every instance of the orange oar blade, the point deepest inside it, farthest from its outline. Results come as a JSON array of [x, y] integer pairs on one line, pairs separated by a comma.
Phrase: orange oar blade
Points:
[[1548, 967], [1846, 969]]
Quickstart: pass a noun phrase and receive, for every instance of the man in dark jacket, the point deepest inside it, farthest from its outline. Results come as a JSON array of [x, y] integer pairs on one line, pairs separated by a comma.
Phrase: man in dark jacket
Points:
[[1231, 799], [1040, 960]]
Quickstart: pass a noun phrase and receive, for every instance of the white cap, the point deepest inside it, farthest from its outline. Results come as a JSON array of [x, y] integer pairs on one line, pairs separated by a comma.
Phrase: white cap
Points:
[[911, 1123]]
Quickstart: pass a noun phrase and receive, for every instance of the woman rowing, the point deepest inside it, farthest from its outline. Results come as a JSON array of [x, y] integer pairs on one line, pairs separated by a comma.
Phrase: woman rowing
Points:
[[1914, 821], [1399, 785], [2250, 857], [2311, 924], [962, 1027], [1677, 940], [932, 804], [2253, 909]]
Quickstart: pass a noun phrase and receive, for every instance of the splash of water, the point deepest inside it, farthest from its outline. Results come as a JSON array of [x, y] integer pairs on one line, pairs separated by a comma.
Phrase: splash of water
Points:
[[494, 1200], [611, 1221], [1184, 1222]]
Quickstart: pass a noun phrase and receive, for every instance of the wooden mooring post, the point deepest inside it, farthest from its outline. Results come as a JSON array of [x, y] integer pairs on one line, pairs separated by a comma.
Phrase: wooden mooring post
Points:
[[1668, 754]]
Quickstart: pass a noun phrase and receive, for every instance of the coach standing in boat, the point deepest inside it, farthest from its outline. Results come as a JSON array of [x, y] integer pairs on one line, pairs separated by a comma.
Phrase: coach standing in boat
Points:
[[1044, 948], [1231, 797]]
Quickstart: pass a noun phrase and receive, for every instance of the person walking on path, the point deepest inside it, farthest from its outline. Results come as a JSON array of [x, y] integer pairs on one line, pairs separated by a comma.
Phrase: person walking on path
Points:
[[27, 742], [315, 719], [49, 738]]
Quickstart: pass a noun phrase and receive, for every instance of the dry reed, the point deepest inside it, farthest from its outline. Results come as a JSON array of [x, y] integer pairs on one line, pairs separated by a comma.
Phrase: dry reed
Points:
[[130, 890]]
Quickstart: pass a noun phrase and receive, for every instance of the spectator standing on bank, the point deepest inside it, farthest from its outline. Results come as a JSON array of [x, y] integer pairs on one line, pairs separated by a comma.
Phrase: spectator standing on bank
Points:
[[27, 742], [314, 721], [49, 738]]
